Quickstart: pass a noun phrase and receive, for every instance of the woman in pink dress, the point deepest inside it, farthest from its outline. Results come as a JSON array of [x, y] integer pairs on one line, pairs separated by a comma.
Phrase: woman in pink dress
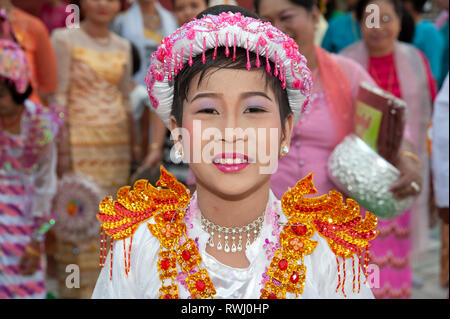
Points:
[[404, 71], [330, 117]]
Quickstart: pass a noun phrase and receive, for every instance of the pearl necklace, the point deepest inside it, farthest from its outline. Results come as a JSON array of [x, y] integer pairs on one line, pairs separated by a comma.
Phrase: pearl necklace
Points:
[[254, 227]]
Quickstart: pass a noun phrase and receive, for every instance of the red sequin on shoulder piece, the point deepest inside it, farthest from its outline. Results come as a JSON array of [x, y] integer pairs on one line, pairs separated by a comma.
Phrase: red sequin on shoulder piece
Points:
[[347, 234], [121, 218]]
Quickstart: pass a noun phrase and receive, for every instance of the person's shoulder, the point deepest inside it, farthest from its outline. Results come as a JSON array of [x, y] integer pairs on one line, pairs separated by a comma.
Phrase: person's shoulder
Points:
[[64, 33], [33, 23], [123, 43], [427, 26], [348, 65], [408, 49]]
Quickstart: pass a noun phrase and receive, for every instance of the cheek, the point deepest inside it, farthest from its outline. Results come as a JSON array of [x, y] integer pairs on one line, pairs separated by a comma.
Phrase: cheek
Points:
[[268, 140], [394, 30], [302, 29]]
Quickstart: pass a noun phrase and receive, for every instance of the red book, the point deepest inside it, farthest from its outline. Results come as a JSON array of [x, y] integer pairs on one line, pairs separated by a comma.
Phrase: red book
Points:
[[379, 120]]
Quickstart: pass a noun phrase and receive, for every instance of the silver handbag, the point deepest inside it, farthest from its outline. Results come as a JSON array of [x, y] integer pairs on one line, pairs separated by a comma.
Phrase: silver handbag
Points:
[[366, 177]]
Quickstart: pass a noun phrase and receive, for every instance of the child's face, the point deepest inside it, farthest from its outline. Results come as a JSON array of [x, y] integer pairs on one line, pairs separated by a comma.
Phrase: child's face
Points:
[[232, 131]]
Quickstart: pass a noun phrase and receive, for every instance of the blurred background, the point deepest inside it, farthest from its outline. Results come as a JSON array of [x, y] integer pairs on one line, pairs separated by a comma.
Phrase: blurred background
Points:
[[119, 141]]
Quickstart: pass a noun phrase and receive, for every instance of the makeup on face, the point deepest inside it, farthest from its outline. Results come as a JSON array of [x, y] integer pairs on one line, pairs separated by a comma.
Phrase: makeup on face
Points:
[[231, 162]]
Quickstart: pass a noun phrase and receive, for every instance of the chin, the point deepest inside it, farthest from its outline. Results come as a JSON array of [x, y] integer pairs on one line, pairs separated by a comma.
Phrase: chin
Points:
[[232, 185]]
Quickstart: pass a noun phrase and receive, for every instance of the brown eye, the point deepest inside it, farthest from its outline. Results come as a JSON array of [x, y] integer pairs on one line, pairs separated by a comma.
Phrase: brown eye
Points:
[[254, 109], [208, 111]]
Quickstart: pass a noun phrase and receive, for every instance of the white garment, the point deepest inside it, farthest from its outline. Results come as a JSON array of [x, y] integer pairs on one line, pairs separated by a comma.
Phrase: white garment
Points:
[[139, 101], [130, 26], [229, 282], [440, 147]]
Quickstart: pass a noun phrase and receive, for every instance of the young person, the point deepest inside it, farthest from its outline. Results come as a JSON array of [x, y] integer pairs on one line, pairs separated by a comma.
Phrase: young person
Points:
[[27, 175], [232, 238]]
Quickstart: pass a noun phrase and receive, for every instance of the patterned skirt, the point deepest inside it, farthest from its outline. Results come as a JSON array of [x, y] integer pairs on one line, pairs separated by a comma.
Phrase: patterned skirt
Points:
[[15, 234], [390, 251]]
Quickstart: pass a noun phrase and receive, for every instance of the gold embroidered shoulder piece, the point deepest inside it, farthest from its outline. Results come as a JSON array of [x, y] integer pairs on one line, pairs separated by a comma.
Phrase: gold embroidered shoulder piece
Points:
[[121, 218], [346, 232]]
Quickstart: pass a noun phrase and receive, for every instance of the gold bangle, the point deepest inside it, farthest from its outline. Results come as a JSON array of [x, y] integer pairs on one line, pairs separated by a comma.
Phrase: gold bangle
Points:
[[32, 251], [413, 156]]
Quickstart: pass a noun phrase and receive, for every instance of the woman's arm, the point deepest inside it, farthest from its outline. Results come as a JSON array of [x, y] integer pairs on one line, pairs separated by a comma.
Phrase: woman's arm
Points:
[[61, 44]]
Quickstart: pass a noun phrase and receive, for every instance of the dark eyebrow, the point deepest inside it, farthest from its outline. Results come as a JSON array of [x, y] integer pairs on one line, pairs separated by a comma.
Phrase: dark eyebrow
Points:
[[203, 95], [253, 93]]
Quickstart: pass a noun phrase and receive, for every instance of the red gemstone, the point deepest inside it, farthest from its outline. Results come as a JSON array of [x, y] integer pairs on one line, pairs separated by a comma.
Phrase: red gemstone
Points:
[[165, 264], [272, 296], [200, 285], [299, 230], [186, 255], [282, 265], [168, 216], [294, 278]]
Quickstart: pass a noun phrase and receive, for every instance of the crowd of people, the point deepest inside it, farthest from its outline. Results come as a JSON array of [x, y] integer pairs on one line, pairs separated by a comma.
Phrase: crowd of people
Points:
[[74, 100]]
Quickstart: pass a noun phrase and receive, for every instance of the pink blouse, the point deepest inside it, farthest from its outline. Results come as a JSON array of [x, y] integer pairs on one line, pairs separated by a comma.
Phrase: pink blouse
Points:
[[313, 137]]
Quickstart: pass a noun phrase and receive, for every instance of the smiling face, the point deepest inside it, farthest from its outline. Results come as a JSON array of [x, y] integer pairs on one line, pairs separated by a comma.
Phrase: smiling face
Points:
[[223, 101], [380, 40]]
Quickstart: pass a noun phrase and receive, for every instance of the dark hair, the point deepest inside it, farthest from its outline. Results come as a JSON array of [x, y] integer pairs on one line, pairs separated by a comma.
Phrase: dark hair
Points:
[[183, 79], [407, 23], [307, 4], [18, 98], [408, 27], [417, 4], [216, 10], [136, 59], [362, 4]]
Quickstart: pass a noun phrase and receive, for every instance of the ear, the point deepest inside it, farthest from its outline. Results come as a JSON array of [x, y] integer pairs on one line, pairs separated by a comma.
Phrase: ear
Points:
[[174, 130], [288, 128]]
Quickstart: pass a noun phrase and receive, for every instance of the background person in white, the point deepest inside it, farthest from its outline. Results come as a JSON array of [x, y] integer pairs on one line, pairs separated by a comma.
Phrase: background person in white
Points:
[[440, 164]]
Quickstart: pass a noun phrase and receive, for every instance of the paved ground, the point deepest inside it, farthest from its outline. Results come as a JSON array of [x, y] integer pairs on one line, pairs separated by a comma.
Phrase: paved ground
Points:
[[427, 271]]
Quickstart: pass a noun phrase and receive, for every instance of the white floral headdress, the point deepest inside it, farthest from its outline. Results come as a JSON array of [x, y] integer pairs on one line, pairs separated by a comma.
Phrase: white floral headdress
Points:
[[228, 31]]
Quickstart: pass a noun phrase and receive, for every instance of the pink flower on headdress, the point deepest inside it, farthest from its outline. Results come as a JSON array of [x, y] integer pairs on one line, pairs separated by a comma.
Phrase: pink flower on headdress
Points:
[[262, 42], [191, 34], [297, 84], [290, 48], [164, 50], [231, 18]]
